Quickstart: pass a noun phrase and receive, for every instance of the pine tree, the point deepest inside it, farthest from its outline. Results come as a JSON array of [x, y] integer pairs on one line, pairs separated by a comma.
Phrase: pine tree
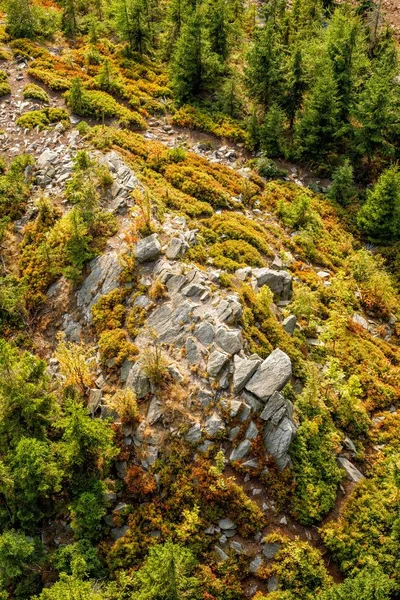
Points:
[[69, 22], [20, 19], [376, 118], [343, 189], [379, 217], [194, 67], [217, 23], [272, 132], [296, 86], [319, 123], [264, 73], [132, 25]]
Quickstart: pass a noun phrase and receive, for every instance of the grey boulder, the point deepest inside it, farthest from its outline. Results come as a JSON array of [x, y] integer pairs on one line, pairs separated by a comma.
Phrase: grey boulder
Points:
[[352, 473], [244, 369], [279, 282], [138, 381], [241, 451], [277, 440], [148, 248], [229, 340], [271, 376], [216, 362]]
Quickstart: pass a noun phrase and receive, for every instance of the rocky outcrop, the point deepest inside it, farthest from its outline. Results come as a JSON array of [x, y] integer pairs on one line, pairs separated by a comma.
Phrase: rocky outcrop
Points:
[[105, 271]]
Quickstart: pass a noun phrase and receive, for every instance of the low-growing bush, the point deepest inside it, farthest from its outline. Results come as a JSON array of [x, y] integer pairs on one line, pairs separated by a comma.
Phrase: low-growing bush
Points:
[[115, 346], [31, 90], [5, 87], [43, 118]]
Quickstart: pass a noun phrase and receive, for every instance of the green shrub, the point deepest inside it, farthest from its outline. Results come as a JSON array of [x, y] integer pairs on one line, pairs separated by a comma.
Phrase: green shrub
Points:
[[379, 217], [234, 254], [43, 118], [14, 191], [5, 87], [114, 346], [31, 90]]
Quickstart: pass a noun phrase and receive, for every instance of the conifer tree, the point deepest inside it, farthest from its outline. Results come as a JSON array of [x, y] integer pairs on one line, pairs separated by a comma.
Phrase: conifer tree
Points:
[[379, 217], [194, 67], [343, 189], [217, 18], [272, 131], [264, 73], [296, 86], [341, 47], [20, 18], [318, 126], [76, 96], [131, 24], [69, 22], [376, 117]]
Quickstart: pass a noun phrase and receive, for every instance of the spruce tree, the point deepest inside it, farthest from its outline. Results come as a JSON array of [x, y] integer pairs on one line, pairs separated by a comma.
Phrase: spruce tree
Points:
[[217, 23], [379, 217], [376, 118], [272, 132], [20, 19], [296, 86], [69, 22], [319, 122], [342, 36], [76, 100], [264, 73], [131, 24], [194, 67], [343, 189]]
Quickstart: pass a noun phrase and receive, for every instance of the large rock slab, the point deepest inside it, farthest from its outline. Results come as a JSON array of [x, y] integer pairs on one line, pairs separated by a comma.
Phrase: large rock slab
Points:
[[241, 451], [277, 440], [271, 376], [244, 370], [105, 271], [279, 282], [148, 248], [138, 382]]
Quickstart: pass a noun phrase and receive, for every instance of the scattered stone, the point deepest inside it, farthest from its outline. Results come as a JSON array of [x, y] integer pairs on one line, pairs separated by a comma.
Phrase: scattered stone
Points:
[[194, 434], [277, 440], [138, 381], [252, 431], [221, 554], [118, 532], [276, 407], [252, 463], [359, 320], [237, 547], [154, 411], [279, 282], [255, 564], [216, 362], [205, 333], [272, 584], [269, 550], [289, 324], [353, 474], [241, 451], [226, 524], [214, 425], [176, 248], [94, 401]]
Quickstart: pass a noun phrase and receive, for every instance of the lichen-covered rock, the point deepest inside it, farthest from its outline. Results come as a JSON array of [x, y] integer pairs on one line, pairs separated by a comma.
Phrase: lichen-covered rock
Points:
[[271, 376]]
